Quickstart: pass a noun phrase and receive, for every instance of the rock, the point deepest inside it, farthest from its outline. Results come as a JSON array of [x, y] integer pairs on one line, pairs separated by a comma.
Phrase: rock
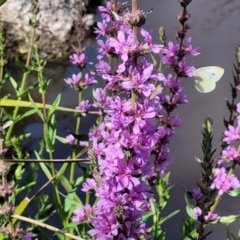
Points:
[[57, 25]]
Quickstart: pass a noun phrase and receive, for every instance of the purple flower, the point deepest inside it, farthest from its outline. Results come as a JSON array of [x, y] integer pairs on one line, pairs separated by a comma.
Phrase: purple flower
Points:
[[104, 49], [231, 134], [83, 144], [89, 80], [124, 178], [230, 153], [189, 49], [89, 184], [148, 40], [139, 81], [78, 215], [223, 182], [196, 213], [70, 139], [80, 60], [74, 80], [170, 53], [103, 68], [102, 27], [28, 236], [197, 193], [105, 226], [141, 113], [185, 69], [82, 214], [106, 11], [83, 107], [173, 84], [211, 217], [123, 46]]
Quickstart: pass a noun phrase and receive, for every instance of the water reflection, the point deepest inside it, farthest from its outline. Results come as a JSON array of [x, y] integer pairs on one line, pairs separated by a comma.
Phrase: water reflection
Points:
[[215, 29]]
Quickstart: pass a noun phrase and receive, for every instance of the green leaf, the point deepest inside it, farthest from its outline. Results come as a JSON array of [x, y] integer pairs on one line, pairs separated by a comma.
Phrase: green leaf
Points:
[[44, 167], [36, 108], [14, 84], [229, 219], [69, 202], [21, 65], [24, 115], [168, 217], [78, 181], [22, 137], [188, 230], [73, 225], [26, 91], [189, 209], [54, 106], [46, 83], [228, 233], [61, 139], [62, 171], [19, 173], [234, 193], [52, 130], [154, 61], [29, 185], [2, 2]]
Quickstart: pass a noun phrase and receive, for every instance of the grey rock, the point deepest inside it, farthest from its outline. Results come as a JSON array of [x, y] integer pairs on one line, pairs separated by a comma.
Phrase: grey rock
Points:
[[57, 25]]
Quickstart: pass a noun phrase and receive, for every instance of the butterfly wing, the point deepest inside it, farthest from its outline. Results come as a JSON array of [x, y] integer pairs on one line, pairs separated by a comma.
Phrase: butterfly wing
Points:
[[203, 83], [214, 72]]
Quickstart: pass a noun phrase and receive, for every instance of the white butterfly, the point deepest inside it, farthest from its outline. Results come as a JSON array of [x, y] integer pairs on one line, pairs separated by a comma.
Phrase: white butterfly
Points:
[[206, 78]]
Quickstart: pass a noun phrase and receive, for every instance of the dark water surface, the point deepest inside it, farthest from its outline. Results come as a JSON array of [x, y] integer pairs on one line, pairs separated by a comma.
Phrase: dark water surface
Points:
[[214, 29]]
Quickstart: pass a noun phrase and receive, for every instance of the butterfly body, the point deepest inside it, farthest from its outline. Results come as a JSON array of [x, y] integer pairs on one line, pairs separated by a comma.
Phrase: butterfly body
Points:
[[206, 78]]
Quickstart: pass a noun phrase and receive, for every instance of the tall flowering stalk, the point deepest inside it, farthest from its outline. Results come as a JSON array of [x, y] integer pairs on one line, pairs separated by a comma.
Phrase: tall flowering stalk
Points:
[[136, 124], [217, 177]]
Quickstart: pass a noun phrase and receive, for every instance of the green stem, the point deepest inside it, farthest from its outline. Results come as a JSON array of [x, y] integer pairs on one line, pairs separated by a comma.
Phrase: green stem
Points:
[[77, 129], [87, 200], [25, 74]]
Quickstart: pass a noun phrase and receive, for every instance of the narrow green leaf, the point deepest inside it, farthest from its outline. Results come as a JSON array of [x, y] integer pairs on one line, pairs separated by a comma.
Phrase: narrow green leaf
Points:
[[69, 202], [62, 171], [44, 167], [54, 106], [168, 217], [36, 108], [52, 130], [26, 91], [228, 219], [228, 233], [24, 115], [62, 139], [78, 181], [14, 83], [21, 65]]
